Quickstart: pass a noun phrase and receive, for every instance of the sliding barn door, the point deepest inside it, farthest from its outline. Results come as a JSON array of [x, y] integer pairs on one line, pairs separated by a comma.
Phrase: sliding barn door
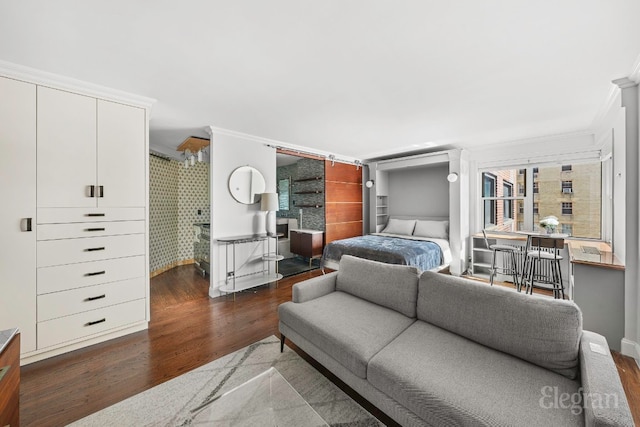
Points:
[[343, 201]]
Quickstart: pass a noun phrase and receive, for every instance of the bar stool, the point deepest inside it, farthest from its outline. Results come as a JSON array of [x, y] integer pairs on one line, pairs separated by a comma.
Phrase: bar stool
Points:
[[504, 269], [542, 264]]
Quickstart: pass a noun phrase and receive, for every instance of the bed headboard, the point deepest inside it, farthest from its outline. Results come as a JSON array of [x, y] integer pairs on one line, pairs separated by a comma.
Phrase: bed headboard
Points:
[[428, 218]]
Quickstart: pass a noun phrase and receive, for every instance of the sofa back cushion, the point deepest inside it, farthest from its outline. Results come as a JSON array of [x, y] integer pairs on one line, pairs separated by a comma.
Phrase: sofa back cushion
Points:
[[540, 330], [389, 285]]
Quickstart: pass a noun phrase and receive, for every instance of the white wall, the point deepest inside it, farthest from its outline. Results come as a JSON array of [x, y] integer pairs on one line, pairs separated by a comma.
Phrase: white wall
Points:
[[419, 191], [229, 217], [630, 103]]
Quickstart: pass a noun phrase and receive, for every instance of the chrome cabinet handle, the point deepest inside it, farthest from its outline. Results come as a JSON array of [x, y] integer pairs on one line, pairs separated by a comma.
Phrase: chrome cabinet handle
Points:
[[95, 322], [26, 224]]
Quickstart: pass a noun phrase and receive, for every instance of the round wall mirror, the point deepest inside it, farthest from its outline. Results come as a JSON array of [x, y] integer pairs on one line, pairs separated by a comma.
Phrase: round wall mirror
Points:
[[246, 184]]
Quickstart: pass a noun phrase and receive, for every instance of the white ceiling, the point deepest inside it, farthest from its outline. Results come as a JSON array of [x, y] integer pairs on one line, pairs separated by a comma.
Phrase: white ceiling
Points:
[[359, 78]]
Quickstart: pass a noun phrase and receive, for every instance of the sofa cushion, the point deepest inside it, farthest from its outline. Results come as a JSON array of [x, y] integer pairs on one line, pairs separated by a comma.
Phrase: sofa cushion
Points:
[[538, 329], [449, 380], [389, 285], [349, 329]]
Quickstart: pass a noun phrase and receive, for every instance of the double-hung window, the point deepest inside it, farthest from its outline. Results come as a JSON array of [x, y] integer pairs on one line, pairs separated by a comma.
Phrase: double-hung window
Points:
[[500, 209], [519, 198]]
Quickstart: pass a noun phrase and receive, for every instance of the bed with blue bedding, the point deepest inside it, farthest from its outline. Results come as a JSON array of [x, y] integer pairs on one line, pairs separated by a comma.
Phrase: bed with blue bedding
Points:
[[423, 253]]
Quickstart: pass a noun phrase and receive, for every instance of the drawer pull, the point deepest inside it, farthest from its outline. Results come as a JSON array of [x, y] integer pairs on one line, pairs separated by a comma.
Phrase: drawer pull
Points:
[[95, 229], [95, 298], [92, 191], [95, 249], [95, 214], [97, 273], [101, 191], [95, 322]]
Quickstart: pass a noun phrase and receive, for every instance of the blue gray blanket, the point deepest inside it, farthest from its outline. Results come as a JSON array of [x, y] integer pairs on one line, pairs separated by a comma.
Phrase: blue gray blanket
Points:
[[392, 250]]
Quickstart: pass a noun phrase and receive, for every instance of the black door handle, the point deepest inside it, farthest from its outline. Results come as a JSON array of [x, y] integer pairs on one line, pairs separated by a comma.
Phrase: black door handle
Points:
[[26, 224]]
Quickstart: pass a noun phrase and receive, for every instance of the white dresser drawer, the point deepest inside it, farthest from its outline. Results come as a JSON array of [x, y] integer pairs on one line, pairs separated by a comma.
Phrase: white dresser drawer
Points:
[[65, 303], [66, 215], [70, 251], [72, 276], [81, 325], [94, 229]]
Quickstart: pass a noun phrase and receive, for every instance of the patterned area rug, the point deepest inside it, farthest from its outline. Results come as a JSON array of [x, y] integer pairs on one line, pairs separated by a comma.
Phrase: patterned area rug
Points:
[[170, 403]]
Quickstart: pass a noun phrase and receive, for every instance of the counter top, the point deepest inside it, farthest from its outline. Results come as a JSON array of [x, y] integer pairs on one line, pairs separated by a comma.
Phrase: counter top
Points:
[[5, 337], [578, 249], [306, 230], [578, 254]]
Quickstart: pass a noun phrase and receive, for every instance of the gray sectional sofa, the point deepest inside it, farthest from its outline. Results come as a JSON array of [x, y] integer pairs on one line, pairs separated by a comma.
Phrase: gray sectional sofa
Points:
[[438, 350]]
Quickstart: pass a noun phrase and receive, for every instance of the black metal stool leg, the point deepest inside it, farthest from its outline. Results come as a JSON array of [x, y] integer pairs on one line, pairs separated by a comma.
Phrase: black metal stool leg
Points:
[[492, 272]]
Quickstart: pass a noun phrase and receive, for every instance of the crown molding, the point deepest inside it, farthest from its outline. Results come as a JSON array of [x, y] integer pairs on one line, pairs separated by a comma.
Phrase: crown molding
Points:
[[212, 131], [57, 81], [625, 82]]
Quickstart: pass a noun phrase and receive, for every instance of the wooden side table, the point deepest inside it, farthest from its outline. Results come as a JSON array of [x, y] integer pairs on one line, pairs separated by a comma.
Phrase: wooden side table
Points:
[[10, 378]]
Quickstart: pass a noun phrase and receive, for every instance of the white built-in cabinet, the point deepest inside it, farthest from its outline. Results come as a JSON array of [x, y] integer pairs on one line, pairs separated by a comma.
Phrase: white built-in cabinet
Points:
[[18, 212], [89, 152], [74, 228]]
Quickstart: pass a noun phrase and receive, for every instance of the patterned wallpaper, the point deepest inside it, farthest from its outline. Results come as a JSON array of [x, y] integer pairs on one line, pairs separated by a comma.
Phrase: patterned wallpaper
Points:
[[175, 195]]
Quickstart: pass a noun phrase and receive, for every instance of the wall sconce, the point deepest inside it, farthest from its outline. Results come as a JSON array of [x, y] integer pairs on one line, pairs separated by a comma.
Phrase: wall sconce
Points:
[[452, 177], [369, 183], [192, 149]]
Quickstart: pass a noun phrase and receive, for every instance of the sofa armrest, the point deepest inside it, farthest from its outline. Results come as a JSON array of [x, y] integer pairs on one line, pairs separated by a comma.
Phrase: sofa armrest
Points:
[[605, 403], [315, 287]]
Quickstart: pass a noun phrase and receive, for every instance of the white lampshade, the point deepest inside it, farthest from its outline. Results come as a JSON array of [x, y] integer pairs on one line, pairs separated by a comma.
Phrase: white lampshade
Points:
[[269, 202]]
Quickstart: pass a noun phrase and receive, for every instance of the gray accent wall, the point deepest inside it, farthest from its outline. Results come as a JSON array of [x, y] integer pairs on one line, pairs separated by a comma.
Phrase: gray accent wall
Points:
[[419, 191]]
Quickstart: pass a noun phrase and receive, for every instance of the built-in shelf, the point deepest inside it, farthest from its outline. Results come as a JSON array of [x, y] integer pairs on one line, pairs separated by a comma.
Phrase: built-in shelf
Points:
[[314, 178], [308, 206], [308, 192]]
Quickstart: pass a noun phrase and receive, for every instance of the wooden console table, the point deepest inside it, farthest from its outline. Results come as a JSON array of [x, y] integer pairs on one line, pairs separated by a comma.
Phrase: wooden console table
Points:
[[10, 378], [235, 282]]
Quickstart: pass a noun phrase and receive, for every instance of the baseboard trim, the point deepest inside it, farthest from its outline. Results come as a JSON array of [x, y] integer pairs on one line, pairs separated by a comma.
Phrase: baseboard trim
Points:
[[171, 265], [630, 348], [38, 355]]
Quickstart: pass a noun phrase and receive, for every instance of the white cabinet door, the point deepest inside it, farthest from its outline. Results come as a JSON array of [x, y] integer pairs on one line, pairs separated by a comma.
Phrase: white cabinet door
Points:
[[18, 195], [122, 155], [66, 149]]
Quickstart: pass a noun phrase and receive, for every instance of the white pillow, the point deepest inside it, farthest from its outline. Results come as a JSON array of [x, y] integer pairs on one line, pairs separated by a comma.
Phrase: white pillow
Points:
[[400, 226], [433, 229]]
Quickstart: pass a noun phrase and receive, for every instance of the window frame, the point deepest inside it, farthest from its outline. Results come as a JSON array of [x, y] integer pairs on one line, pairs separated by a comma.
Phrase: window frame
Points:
[[491, 199], [528, 220]]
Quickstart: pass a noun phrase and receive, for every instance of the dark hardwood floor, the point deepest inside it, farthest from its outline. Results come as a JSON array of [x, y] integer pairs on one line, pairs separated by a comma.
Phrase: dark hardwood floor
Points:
[[187, 330]]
